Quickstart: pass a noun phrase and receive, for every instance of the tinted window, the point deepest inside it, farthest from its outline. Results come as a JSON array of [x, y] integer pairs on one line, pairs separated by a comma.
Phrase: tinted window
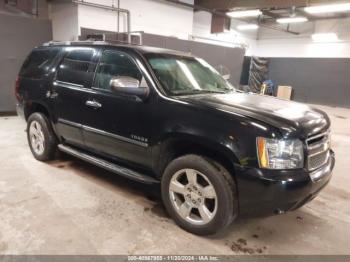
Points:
[[38, 62], [75, 67], [114, 64]]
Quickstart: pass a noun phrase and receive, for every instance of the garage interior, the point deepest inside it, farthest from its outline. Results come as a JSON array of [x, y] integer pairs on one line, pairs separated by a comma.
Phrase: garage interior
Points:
[[69, 207]]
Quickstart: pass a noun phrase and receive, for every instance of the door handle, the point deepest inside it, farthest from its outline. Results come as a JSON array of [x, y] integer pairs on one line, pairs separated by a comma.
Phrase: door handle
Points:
[[93, 103], [51, 94]]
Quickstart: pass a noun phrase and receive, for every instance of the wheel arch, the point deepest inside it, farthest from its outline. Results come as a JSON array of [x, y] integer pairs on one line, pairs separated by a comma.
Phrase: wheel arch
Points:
[[35, 107], [174, 147]]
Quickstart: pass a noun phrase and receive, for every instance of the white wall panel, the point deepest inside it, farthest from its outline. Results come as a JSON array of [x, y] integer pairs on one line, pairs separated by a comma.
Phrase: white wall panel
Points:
[[64, 18], [150, 16], [279, 44], [156, 17]]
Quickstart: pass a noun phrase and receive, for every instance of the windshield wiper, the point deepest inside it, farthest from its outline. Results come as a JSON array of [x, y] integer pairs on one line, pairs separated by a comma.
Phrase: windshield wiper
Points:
[[200, 91], [214, 92]]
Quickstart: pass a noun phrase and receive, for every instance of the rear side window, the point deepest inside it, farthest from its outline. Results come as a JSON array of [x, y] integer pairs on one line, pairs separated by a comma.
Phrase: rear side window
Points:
[[38, 62], [75, 66]]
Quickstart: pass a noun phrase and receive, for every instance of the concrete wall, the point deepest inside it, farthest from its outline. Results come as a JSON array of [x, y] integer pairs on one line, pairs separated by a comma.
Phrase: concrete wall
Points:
[[318, 72], [43, 9], [18, 37], [314, 80], [26, 8]]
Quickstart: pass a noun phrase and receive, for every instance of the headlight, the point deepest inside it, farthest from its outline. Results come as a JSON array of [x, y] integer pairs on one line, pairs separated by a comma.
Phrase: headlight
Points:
[[280, 154]]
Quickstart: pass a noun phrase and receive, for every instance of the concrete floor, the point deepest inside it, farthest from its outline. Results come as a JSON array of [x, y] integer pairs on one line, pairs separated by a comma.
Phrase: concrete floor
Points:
[[71, 207]]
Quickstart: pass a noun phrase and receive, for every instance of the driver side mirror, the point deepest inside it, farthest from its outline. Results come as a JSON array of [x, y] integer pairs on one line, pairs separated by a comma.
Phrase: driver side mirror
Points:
[[126, 85]]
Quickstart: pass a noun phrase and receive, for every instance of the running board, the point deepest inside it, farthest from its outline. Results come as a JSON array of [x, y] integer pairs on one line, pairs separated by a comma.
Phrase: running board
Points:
[[123, 171]]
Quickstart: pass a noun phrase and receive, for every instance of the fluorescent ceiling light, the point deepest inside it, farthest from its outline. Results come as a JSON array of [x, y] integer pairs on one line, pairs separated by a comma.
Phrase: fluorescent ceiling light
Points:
[[320, 9], [326, 37], [247, 27], [246, 13], [290, 20]]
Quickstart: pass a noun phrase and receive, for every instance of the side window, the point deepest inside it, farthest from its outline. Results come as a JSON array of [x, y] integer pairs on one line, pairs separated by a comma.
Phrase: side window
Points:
[[114, 64], [75, 67], [38, 62]]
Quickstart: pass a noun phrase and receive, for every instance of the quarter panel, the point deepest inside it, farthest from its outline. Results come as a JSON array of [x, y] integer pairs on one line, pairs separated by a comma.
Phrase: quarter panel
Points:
[[228, 134]]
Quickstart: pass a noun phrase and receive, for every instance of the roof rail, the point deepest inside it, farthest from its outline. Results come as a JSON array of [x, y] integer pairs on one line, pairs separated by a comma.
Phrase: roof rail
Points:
[[98, 39], [72, 43], [51, 43], [120, 38]]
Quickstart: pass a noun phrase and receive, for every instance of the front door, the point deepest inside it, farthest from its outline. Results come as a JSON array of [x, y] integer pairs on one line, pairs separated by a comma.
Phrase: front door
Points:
[[119, 126]]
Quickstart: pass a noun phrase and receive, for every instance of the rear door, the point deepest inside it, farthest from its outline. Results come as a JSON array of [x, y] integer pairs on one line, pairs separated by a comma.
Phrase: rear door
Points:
[[71, 89]]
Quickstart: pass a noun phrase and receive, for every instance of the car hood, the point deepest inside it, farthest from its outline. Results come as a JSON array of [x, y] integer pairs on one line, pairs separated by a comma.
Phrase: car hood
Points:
[[290, 117]]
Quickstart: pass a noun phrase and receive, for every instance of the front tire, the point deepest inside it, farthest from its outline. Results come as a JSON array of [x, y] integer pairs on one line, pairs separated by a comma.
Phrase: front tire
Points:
[[199, 194], [41, 138]]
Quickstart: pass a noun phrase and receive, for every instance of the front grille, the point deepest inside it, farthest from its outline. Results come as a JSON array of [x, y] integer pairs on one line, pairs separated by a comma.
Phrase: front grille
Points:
[[318, 147], [318, 160]]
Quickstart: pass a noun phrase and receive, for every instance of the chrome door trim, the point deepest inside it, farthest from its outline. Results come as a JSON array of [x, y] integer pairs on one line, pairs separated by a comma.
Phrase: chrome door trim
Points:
[[66, 84], [122, 138], [69, 123], [101, 132]]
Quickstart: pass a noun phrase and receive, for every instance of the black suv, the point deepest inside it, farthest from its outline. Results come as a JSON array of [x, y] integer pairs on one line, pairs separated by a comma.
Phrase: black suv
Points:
[[162, 116]]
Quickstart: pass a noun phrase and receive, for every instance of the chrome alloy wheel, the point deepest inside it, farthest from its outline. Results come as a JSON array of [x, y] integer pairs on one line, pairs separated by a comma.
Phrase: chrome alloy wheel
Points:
[[37, 138], [193, 196]]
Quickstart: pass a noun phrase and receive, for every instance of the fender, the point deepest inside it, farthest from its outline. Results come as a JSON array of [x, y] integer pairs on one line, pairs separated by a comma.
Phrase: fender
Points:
[[172, 144]]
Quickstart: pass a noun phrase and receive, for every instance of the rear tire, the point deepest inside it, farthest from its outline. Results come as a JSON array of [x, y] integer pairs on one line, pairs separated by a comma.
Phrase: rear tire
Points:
[[41, 138], [199, 194]]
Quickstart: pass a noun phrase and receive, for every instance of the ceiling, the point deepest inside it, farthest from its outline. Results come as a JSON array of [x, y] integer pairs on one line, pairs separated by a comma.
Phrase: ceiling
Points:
[[224, 5], [271, 10]]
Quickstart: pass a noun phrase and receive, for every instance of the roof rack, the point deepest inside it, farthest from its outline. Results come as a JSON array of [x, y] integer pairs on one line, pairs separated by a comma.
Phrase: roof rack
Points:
[[86, 42], [132, 38], [102, 39]]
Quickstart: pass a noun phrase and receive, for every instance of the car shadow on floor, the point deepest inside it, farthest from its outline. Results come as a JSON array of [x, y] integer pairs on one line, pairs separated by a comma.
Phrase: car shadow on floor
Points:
[[114, 182], [254, 228]]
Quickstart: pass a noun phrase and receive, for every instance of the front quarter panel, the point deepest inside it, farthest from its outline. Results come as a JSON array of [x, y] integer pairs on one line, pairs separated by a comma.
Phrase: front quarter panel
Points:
[[233, 136]]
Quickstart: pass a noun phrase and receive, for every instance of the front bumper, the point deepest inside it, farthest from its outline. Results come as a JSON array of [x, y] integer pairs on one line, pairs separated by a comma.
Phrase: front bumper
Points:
[[267, 192]]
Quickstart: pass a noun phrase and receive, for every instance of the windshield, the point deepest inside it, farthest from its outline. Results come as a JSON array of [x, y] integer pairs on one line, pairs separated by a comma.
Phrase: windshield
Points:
[[187, 75]]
